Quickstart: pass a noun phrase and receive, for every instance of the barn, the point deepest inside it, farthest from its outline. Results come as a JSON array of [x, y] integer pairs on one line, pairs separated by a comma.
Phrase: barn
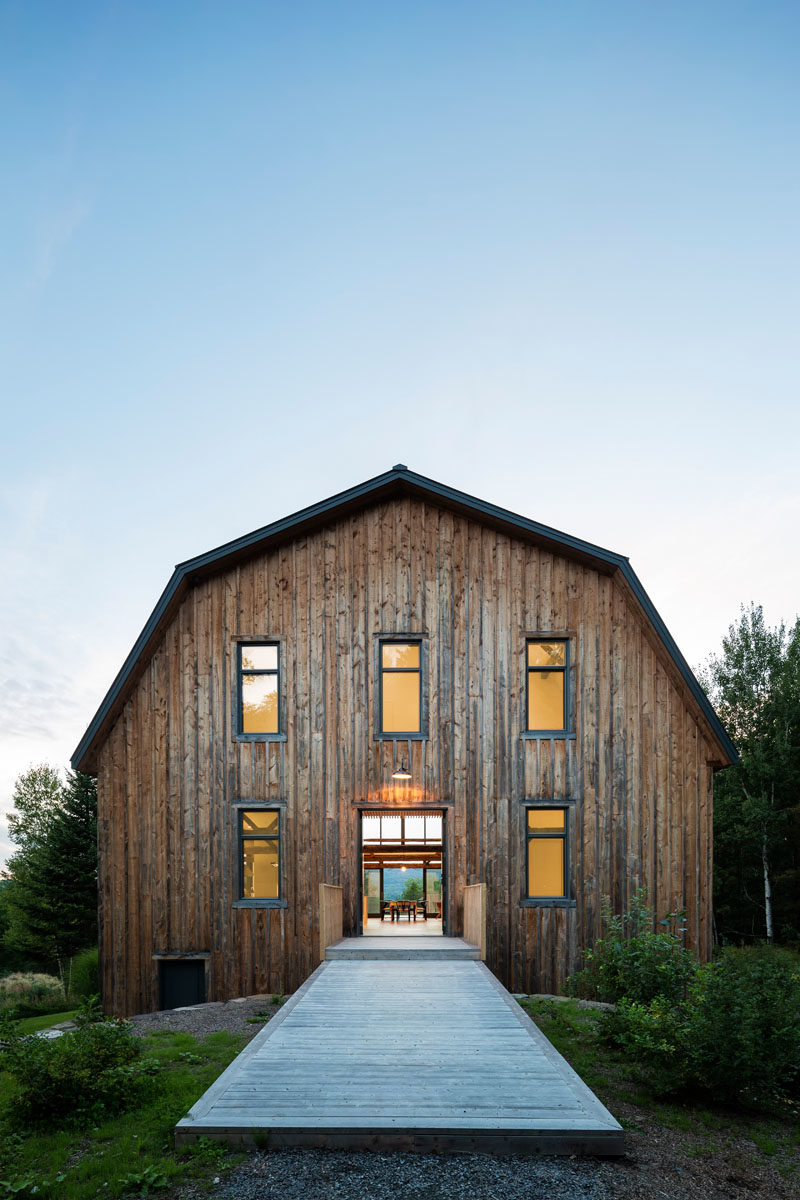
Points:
[[394, 695]]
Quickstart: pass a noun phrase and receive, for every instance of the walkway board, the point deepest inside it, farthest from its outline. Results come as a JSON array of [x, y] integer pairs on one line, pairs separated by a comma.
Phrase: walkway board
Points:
[[390, 1053]]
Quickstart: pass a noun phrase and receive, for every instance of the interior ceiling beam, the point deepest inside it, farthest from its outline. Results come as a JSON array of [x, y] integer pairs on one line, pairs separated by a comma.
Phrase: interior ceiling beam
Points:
[[402, 855], [402, 847], [372, 866]]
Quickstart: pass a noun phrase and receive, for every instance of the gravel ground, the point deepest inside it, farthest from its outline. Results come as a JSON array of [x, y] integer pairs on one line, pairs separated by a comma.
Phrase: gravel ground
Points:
[[329, 1174], [661, 1163], [233, 1016]]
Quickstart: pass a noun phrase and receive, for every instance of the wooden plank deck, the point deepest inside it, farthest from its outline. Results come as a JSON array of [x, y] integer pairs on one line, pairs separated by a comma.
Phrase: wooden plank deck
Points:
[[390, 1053]]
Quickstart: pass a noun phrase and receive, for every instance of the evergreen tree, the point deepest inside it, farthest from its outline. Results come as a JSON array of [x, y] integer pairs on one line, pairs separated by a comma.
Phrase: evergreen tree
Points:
[[50, 897], [70, 867]]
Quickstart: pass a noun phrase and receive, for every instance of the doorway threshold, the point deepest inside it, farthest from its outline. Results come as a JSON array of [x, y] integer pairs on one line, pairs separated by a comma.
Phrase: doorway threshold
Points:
[[432, 928], [405, 949]]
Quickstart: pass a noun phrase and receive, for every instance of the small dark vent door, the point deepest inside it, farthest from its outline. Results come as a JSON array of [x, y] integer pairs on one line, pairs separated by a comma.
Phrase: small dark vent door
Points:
[[182, 983]]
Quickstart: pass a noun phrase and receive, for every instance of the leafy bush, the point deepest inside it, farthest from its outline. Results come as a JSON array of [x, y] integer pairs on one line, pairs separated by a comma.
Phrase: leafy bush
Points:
[[30, 993], [84, 975], [96, 1070], [735, 1036], [144, 1182], [90, 1012], [632, 961], [24, 1186]]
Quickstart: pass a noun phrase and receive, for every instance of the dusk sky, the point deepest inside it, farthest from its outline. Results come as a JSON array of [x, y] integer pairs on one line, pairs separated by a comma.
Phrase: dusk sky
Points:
[[253, 254]]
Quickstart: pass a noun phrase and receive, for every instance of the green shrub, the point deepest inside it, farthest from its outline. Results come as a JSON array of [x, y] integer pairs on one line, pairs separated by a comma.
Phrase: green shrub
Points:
[[30, 993], [736, 1036], [632, 961], [24, 1186], [84, 975], [95, 1071], [90, 1012], [144, 1182]]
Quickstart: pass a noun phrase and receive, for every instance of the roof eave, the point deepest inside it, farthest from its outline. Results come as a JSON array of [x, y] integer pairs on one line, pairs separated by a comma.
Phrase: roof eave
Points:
[[384, 486]]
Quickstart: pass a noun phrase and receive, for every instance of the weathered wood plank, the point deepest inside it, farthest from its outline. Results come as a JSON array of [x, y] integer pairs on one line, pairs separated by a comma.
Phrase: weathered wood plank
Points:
[[322, 1063], [635, 768]]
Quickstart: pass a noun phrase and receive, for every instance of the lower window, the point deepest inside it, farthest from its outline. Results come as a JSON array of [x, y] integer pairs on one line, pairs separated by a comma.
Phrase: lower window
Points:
[[260, 853], [547, 853]]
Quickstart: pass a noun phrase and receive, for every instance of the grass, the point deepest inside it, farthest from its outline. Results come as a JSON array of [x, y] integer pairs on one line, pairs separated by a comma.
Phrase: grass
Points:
[[575, 1032], [131, 1154], [34, 1024]]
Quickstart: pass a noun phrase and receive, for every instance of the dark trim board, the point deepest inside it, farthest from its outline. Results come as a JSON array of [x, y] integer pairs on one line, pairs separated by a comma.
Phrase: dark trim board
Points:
[[380, 640], [587, 1143], [396, 482]]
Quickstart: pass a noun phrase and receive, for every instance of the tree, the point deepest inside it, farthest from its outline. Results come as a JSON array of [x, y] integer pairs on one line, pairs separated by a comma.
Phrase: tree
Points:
[[70, 863], [412, 890], [37, 795], [755, 687], [50, 897], [11, 959]]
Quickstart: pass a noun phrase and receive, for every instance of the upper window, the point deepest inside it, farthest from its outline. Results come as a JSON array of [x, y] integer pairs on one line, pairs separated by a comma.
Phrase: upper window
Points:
[[401, 687], [547, 853], [547, 686], [259, 688], [260, 858]]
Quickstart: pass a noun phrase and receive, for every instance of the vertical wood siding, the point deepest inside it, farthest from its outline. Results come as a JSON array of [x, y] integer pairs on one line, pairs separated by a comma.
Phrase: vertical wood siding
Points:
[[637, 771]]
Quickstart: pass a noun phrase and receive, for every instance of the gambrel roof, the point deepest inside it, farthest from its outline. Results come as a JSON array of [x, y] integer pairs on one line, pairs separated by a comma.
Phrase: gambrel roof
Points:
[[399, 481]]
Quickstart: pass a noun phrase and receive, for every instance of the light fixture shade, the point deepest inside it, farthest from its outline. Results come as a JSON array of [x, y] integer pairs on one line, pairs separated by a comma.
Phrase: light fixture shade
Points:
[[401, 772]]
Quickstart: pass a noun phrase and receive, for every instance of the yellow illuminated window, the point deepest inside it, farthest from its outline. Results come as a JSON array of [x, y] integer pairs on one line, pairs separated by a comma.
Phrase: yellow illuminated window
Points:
[[547, 686], [547, 853], [400, 687], [259, 686], [260, 854]]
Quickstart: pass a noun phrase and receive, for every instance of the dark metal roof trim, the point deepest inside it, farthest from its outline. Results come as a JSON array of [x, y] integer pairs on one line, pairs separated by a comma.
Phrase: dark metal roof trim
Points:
[[399, 479]]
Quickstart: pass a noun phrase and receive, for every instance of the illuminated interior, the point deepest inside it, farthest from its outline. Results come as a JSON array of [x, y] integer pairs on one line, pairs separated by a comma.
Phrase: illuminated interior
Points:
[[402, 872], [400, 687], [260, 855], [546, 654], [546, 685], [546, 852]]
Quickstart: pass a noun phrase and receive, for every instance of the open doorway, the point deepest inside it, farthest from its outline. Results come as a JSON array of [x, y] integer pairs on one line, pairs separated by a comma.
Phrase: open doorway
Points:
[[402, 871]]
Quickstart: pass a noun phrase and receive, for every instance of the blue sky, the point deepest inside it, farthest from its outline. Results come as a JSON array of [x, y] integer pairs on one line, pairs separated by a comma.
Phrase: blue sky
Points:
[[255, 253]]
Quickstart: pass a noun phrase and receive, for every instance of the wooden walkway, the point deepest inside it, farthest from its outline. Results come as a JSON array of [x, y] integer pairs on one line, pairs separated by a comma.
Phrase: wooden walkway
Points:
[[390, 1052]]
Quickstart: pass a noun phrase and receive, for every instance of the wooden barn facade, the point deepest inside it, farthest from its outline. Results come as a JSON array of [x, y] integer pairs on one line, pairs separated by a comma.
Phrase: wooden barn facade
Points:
[[400, 651]]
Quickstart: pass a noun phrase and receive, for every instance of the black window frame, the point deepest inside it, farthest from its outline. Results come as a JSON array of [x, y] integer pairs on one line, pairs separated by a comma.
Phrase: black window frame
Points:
[[402, 639], [239, 734], [532, 639], [568, 807], [240, 809]]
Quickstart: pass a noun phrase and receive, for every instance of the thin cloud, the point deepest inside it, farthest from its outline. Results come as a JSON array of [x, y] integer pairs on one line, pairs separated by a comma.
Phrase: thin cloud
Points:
[[37, 697]]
